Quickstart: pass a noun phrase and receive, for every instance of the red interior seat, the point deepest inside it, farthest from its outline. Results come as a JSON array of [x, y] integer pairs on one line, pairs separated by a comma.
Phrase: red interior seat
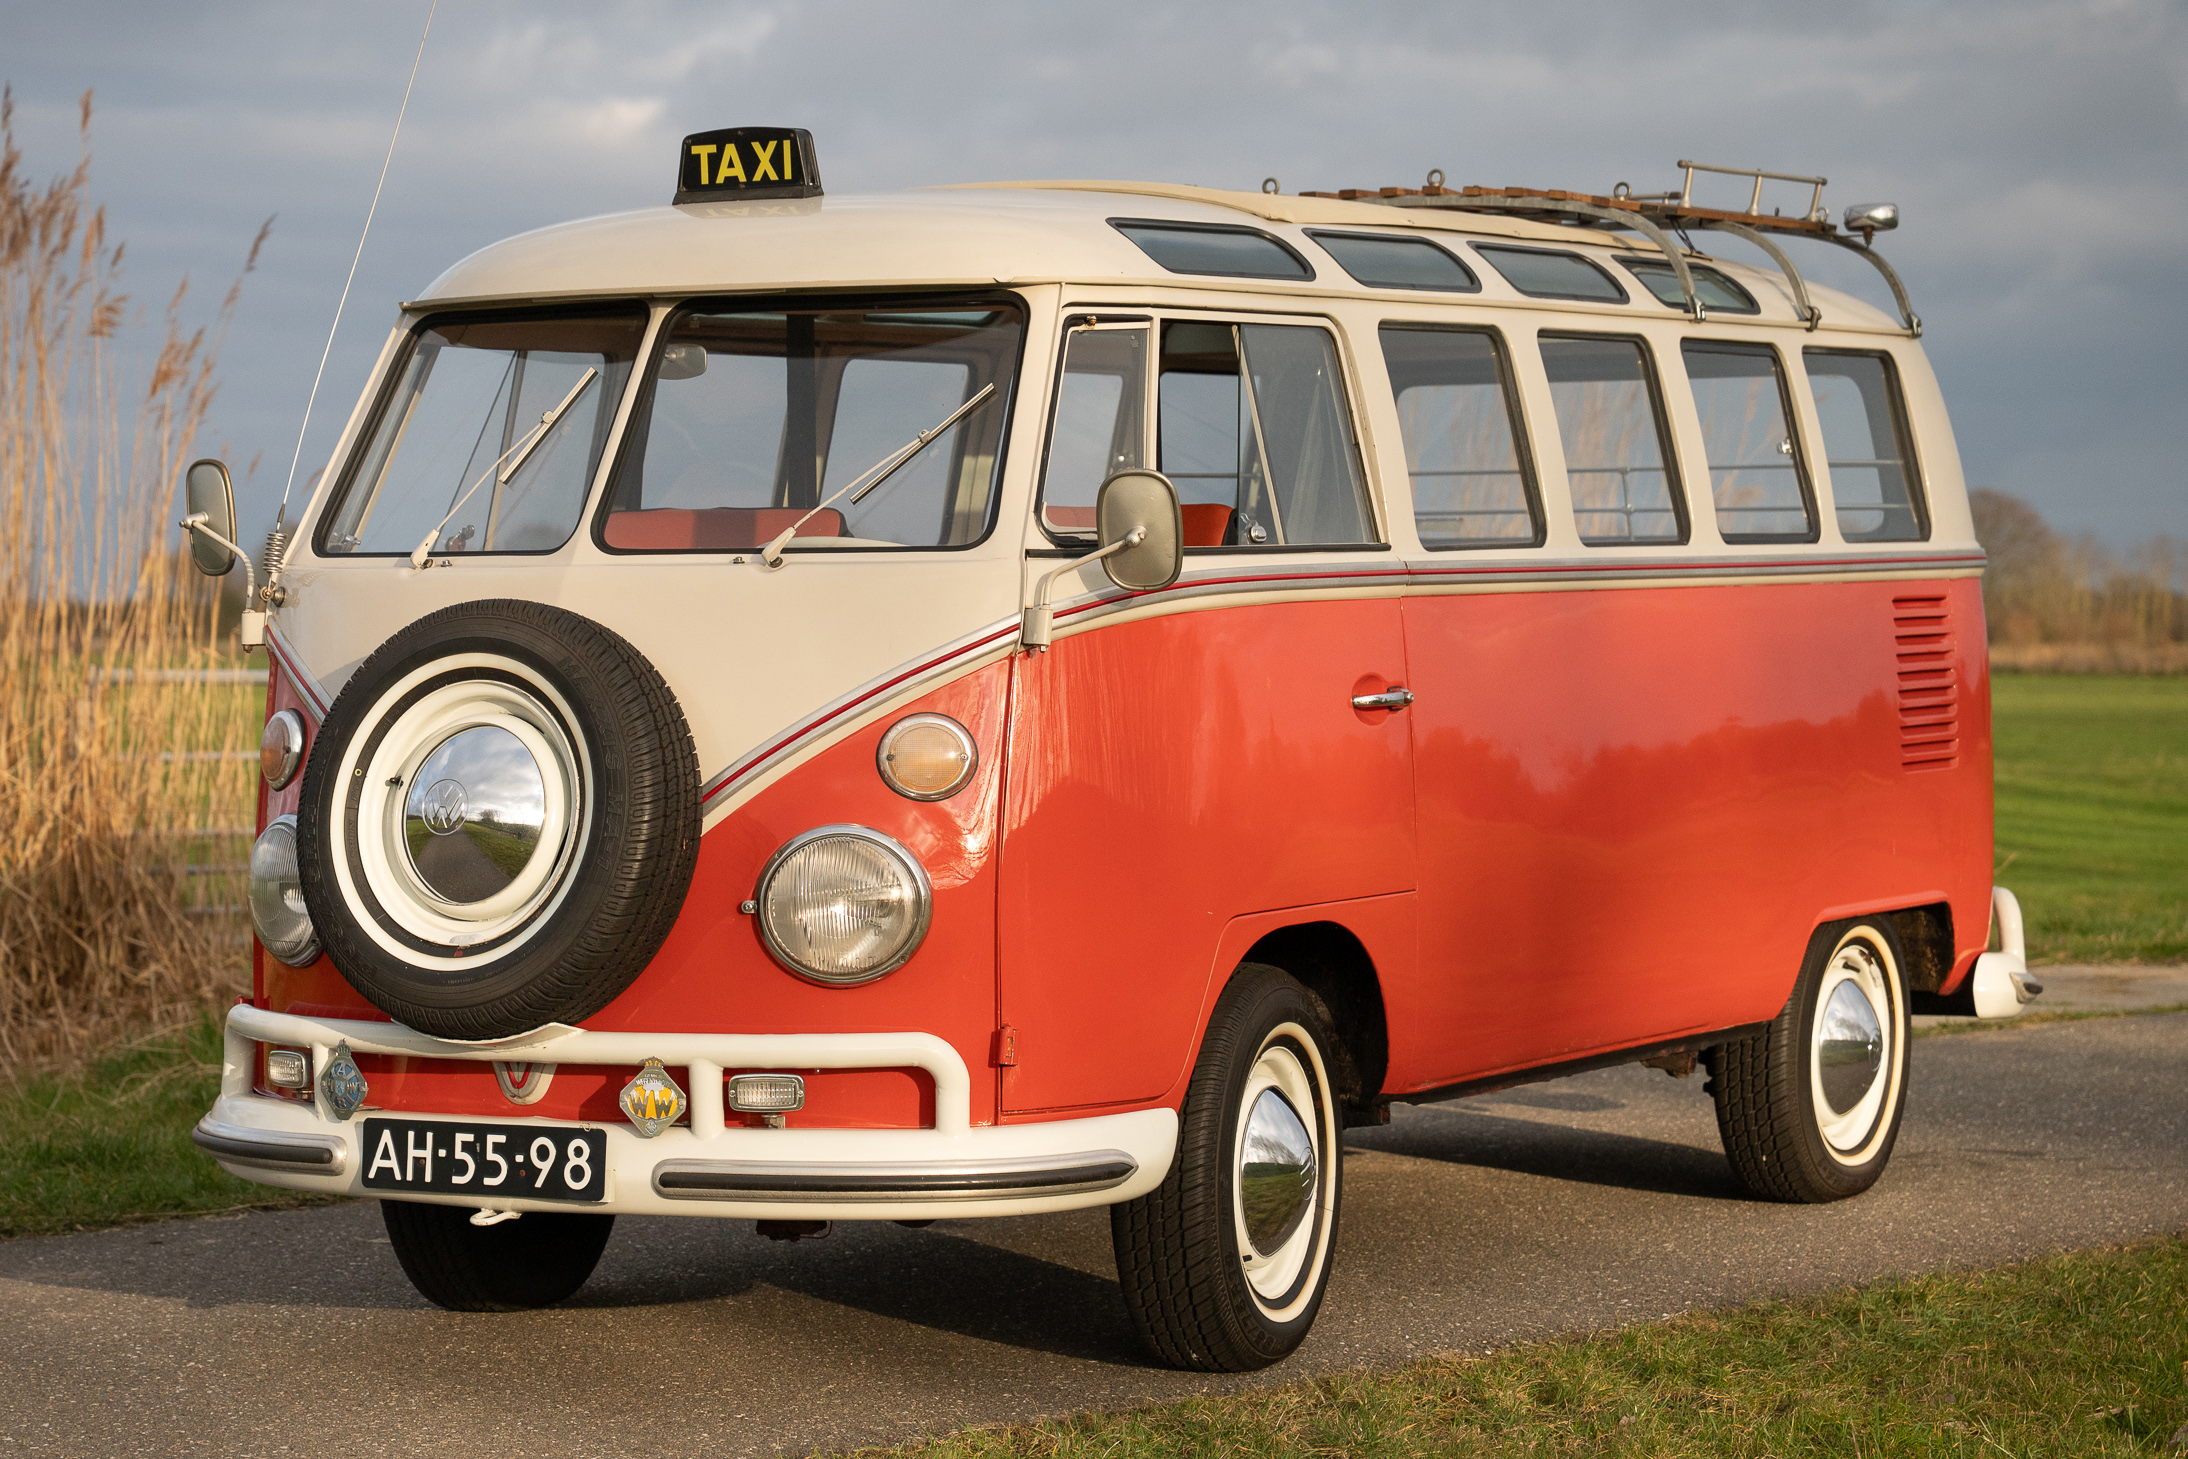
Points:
[[712, 529]]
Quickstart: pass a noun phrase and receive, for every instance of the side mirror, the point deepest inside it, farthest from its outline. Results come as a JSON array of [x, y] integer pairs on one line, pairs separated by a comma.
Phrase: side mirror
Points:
[[1131, 501], [207, 494]]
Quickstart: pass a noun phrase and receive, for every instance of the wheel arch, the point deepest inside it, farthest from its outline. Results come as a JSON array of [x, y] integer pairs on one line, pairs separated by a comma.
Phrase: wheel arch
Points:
[[1333, 964]]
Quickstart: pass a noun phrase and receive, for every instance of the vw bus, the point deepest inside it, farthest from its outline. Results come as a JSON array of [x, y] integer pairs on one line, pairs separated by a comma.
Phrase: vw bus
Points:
[[993, 700]]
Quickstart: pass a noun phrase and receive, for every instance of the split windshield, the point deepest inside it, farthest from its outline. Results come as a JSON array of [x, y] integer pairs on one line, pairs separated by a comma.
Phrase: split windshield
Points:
[[467, 397]]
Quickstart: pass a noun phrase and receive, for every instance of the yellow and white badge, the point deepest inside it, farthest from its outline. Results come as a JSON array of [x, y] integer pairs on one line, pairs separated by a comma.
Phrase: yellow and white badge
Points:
[[651, 1101]]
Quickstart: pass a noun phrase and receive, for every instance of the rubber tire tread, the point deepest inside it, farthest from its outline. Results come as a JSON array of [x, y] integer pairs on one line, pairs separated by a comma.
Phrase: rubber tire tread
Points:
[[1176, 1257], [539, 1259], [1760, 1088], [644, 762]]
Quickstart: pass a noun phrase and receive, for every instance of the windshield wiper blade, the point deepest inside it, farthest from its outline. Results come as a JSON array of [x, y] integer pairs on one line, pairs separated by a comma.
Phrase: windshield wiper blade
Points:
[[522, 451], [860, 486]]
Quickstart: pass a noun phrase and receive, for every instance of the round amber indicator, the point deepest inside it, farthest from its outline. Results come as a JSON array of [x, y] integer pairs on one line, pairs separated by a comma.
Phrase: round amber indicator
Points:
[[927, 756]]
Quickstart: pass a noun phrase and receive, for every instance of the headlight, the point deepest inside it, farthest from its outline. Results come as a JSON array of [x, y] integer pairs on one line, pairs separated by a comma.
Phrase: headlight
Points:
[[281, 748], [927, 756], [843, 904], [277, 896]]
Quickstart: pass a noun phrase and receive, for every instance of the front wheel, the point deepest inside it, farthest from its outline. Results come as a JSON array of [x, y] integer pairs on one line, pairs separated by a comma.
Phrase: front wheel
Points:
[[534, 1261], [1809, 1108], [1224, 1264]]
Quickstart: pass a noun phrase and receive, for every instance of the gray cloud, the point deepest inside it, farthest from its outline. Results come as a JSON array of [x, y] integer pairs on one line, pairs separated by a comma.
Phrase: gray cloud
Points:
[[2035, 148]]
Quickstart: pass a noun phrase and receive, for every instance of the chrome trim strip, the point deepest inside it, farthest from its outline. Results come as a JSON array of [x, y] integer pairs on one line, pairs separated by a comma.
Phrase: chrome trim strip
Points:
[[970, 1180], [286, 662], [236, 1145]]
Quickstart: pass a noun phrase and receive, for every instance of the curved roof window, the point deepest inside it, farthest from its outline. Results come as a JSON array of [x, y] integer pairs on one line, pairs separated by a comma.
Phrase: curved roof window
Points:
[[1715, 290], [1383, 262], [1542, 273], [1212, 248]]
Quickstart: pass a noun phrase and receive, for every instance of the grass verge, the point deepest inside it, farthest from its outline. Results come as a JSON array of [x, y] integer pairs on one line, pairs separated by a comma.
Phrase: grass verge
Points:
[[2092, 778], [107, 1142], [2084, 1354]]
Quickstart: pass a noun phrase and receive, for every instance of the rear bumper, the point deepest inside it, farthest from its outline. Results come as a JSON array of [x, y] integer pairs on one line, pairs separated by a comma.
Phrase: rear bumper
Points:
[[706, 1169]]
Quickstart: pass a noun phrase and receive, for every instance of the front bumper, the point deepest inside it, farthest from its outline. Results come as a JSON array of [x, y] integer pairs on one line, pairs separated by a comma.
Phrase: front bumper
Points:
[[706, 1169]]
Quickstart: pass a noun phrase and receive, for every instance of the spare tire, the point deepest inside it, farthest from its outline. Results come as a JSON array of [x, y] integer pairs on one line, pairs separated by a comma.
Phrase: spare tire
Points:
[[499, 822]]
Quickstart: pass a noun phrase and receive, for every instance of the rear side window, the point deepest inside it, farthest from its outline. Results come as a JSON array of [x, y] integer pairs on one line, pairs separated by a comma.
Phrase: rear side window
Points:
[[752, 418], [1459, 417], [1617, 453], [1252, 426], [1383, 262], [1211, 248], [1543, 274], [1716, 291], [1755, 474], [1871, 455]]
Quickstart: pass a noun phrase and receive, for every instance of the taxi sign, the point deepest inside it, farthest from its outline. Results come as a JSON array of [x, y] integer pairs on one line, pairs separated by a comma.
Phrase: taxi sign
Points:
[[747, 162]]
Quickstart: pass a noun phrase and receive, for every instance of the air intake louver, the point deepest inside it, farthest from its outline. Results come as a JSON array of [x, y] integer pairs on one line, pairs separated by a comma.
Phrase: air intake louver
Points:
[[1929, 684]]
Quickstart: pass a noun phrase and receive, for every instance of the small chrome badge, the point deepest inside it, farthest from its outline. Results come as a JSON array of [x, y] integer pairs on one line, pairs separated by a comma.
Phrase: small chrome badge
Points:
[[523, 1083], [342, 1083], [651, 1101], [443, 807]]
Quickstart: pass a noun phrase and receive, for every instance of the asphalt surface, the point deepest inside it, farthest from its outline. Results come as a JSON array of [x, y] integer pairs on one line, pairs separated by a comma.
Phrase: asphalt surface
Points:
[[1586, 1203]]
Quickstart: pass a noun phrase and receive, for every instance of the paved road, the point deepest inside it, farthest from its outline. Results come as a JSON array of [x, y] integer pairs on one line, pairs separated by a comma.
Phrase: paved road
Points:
[[1589, 1202]]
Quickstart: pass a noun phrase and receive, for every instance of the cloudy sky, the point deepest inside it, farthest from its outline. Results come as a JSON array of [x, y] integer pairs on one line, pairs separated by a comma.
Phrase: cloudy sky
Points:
[[2038, 152]]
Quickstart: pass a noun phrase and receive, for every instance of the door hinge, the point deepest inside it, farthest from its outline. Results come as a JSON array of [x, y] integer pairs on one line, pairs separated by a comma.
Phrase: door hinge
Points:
[[1006, 1046]]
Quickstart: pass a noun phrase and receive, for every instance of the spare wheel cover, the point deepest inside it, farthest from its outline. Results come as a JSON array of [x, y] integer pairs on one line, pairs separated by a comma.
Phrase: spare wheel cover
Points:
[[499, 820]]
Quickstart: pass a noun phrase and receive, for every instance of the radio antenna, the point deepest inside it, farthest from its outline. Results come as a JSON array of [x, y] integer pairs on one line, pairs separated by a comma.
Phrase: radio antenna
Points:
[[281, 518]]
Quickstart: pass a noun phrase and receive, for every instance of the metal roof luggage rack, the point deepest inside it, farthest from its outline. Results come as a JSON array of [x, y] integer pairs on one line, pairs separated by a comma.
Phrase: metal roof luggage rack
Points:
[[1652, 213]]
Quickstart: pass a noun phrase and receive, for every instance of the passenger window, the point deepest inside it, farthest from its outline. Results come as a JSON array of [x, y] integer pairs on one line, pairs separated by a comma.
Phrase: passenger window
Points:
[[1617, 454], [1871, 457], [1383, 262], [1100, 426], [1460, 420], [751, 419], [1543, 274], [1253, 428], [1755, 472]]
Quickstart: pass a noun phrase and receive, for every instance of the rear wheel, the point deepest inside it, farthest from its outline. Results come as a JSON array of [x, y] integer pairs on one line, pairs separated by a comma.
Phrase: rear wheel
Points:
[[1809, 1108], [1225, 1263], [534, 1261]]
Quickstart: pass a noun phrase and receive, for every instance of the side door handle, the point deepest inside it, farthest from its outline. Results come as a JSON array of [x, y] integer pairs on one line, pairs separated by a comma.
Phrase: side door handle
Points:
[[1394, 697]]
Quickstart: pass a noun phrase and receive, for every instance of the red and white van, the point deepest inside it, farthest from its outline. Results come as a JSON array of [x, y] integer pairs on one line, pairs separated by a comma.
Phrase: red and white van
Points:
[[995, 700]]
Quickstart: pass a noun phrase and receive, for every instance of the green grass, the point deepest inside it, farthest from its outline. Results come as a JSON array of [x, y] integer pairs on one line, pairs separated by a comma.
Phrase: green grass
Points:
[[108, 1142], [2082, 1355], [2092, 814]]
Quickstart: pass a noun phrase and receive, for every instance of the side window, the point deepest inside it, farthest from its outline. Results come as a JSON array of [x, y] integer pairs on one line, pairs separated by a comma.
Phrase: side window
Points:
[[1542, 273], [1253, 427], [1755, 474], [1617, 453], [1871, 455], [1458, 413], [1099, 427]]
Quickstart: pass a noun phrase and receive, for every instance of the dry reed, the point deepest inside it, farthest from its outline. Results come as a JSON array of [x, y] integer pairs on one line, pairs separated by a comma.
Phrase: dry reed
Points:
[[2071, 605], [105, 769]]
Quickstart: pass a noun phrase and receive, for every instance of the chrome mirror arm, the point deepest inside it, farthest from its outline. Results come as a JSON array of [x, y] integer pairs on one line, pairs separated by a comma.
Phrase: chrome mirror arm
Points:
[[1035, 622], [252, 630]]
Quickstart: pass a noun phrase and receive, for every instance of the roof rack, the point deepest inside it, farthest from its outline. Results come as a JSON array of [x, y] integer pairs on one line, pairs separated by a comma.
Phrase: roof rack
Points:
[[1652, 213]]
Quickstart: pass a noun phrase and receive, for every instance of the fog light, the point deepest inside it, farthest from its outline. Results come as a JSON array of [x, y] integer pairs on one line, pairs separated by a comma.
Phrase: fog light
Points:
[[766, 1094], [288, 1069], [277, 897]]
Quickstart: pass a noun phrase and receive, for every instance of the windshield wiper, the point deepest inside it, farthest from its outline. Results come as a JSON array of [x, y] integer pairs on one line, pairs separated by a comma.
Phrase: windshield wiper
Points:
[[522, 451], [859, 486]]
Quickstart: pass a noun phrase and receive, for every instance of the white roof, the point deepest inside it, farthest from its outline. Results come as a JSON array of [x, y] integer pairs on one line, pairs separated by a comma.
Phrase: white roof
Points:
[[984, 235]]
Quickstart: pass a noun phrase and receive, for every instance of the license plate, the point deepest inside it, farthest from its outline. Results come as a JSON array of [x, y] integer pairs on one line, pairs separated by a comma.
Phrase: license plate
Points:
[[443, 1158]]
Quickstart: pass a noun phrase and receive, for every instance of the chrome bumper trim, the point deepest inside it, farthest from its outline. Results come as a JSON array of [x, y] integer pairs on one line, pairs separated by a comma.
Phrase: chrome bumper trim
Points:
[[740, 1180], [236, 1145]]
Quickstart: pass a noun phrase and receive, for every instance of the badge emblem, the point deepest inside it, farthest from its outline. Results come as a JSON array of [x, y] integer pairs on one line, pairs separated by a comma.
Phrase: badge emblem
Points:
[[523, 1083], [342, 1084], [651, 1101], [443, 808]]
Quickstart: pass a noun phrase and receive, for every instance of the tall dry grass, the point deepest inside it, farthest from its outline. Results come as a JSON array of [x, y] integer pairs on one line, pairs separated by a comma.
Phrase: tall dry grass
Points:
[[109, 770], [2069, 604]]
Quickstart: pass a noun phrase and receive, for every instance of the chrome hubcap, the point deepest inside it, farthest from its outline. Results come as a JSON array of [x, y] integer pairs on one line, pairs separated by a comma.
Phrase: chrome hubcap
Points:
[[472, 820], [1276, 1173], [1853, 1052]]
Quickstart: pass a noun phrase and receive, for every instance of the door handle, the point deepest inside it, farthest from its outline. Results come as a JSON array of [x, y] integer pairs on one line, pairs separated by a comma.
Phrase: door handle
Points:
[[1392, 698]]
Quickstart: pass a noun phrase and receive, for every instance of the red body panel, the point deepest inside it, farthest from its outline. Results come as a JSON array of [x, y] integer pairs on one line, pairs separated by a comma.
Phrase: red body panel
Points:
[[1166, 776]]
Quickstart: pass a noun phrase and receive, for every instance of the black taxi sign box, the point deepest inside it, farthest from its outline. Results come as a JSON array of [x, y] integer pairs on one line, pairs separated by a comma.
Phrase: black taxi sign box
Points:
[[747, 162]]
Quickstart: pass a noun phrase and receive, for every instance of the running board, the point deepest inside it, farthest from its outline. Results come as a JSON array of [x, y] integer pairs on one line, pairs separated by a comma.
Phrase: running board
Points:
[[1641, 1054]]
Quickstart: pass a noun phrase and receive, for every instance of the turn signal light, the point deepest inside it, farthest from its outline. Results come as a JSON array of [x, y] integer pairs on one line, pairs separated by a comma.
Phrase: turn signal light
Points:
[[766, 1094], [927, 756]]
